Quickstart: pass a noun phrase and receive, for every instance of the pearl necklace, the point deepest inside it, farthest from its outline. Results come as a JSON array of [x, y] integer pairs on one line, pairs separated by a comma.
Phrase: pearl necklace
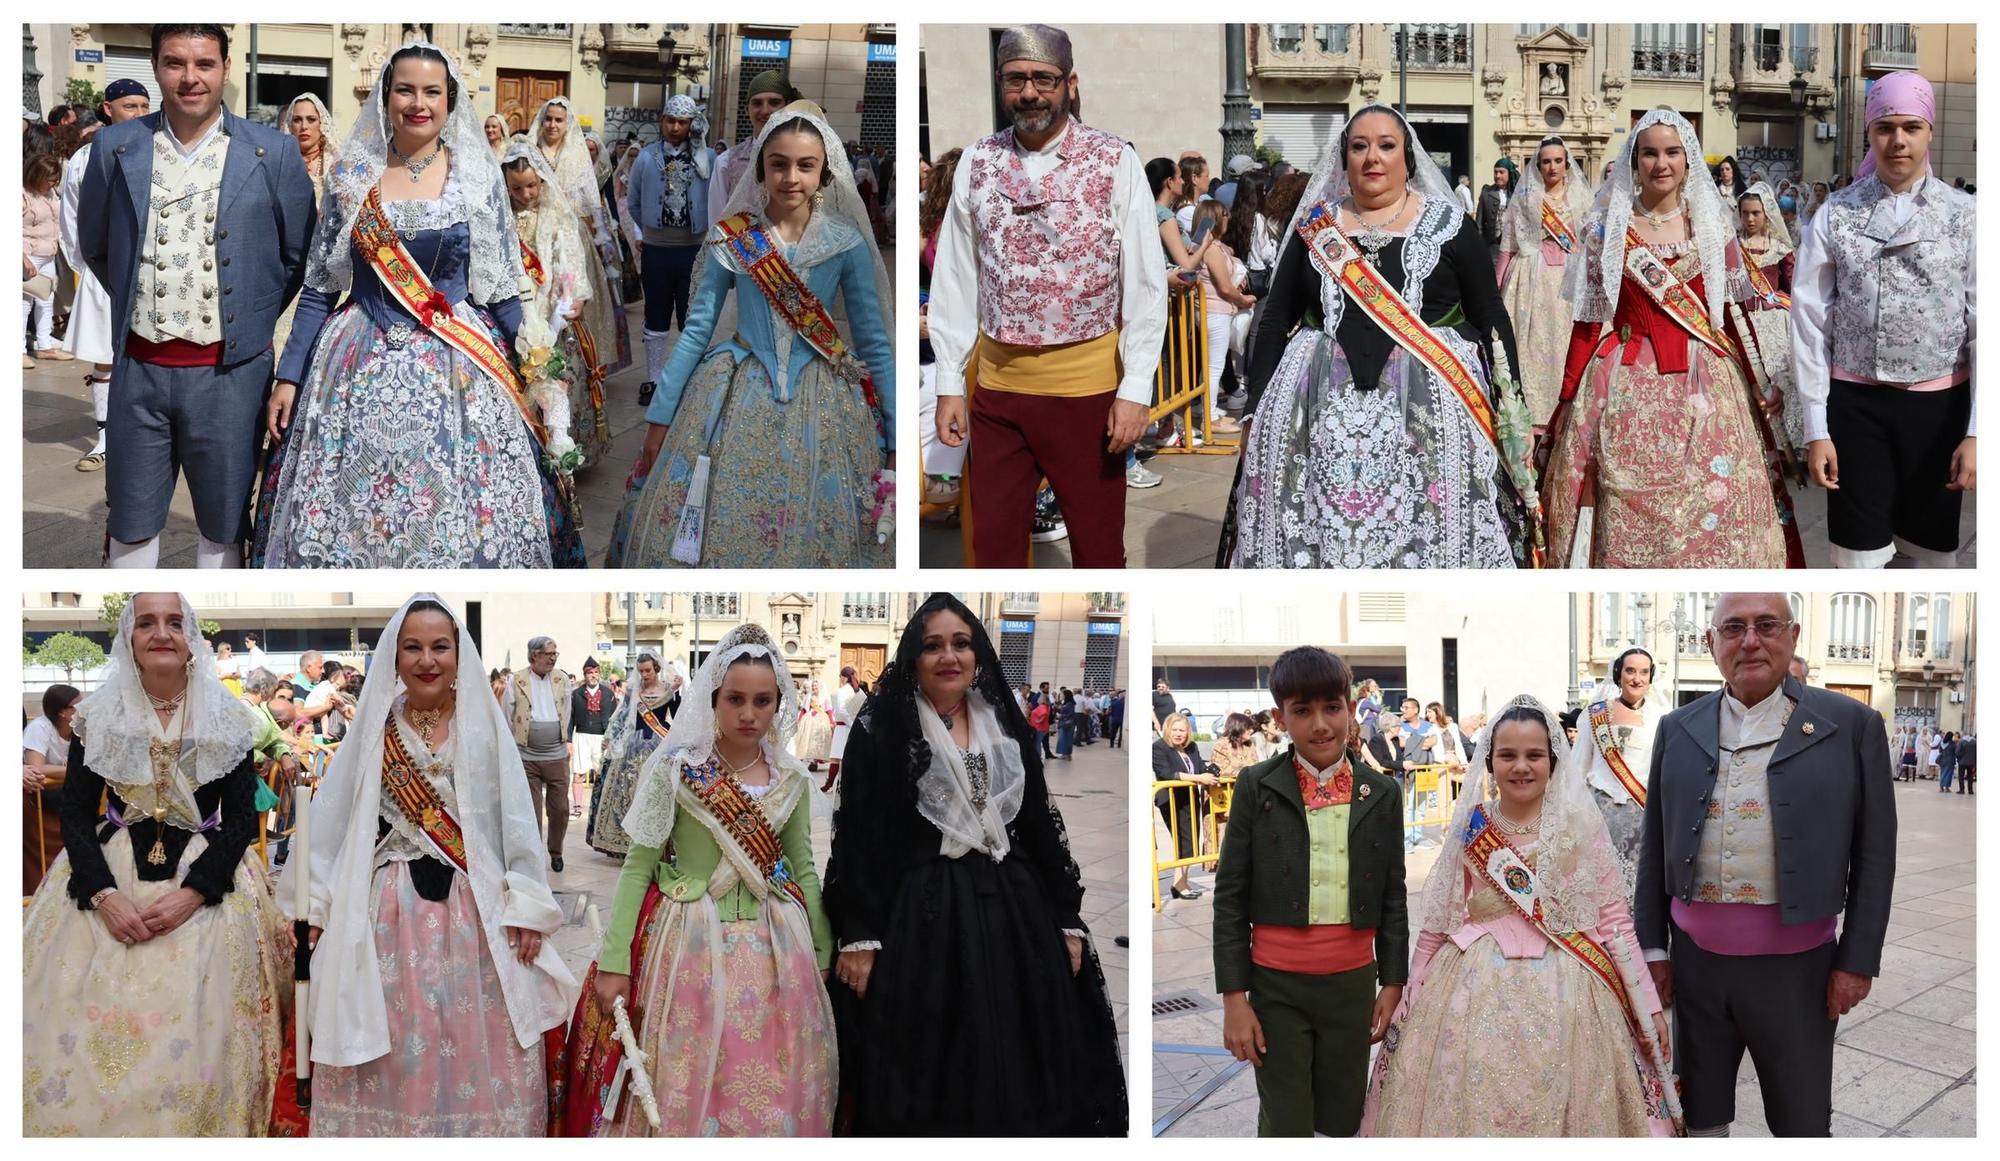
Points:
[[1659, 221], [735, 770], [1509, 826]]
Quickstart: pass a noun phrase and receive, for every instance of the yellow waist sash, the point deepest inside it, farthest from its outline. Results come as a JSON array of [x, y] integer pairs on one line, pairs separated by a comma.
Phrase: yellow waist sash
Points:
[[1068, 371]]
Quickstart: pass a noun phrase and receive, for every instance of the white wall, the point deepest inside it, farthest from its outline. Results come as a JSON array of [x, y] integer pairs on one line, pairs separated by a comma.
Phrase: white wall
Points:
[[1507, 645]]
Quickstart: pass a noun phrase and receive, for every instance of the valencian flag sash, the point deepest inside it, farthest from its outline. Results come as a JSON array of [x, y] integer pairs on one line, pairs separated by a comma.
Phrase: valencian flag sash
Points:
[[793, 301], [582, 1072], [417, 798], [1557, 229], [1495, 862], [1600, 733], [651, 718], [532, 263], [406, 282], [1761, 283], [1337, 259], [726, 801], [1671, 295]]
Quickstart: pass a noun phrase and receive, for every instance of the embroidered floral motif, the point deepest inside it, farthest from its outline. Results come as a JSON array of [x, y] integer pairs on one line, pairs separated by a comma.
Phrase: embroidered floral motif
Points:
[[1048, 250]]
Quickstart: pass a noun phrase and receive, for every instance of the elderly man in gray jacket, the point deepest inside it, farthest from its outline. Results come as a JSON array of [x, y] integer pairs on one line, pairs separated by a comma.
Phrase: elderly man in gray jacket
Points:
[[196, 221], [1766, 864]]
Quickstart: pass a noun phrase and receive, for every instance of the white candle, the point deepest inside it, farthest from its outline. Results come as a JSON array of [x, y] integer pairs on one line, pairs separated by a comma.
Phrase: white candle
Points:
[[301, 869]]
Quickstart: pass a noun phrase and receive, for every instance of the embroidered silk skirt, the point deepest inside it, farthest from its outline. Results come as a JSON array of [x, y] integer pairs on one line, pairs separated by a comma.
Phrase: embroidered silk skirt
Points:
[[1498, 1047], [1541, 316], [616, 784], [1395, 476], [1770, 350], [736, 1020], [179, 1036], [1673, 464], [404, 454], [454, 1067], [588, 425], [790, 484]]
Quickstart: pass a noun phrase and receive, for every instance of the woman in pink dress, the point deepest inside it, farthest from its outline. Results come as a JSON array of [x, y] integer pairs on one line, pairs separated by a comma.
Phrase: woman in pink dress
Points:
[[1527, 967]]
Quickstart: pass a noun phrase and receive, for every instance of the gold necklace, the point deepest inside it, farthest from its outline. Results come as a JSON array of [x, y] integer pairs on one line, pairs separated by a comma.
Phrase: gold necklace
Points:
[[1659, 221], [425, 722], [165, 755], [733, 768]]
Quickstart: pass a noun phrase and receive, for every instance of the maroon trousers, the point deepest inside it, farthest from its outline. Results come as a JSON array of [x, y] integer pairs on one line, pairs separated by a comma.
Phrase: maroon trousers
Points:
[[1017, 440]]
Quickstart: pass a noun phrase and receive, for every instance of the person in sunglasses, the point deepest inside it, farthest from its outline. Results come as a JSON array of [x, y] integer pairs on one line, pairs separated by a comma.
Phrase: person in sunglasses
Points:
[[1767, 860]]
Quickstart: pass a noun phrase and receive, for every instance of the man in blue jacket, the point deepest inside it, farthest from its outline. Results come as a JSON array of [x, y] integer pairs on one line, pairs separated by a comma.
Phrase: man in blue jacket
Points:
[[667, 200], [196, 222]]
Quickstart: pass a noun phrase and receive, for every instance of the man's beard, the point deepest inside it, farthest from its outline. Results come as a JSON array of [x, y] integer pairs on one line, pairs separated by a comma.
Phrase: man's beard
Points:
[[1039, 120]]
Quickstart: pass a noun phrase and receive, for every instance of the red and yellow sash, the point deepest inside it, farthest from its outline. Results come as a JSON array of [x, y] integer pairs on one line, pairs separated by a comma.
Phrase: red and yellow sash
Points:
[[725, 799], [1558, 230], [1600, 733], [406, 282], [652, 720], [1671, 295], [532, 262], [1761, 283], [417, 798], [581, 1074], [1336, 258], [794, 301]]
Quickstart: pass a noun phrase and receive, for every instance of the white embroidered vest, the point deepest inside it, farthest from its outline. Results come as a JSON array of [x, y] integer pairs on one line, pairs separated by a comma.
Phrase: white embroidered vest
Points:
[[1899, 294], [1048, 249], [1737, 858], [176, 296]]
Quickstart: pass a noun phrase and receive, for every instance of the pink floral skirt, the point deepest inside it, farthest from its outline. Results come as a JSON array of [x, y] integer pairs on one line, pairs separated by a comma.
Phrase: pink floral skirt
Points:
[[454, 1067]]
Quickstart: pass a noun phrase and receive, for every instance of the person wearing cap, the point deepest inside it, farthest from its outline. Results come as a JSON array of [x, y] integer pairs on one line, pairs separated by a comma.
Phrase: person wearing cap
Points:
[[668, 202], [1050, 284], [89, 336], [196, 222], [767, 93], [1882, 343], [591, 706]]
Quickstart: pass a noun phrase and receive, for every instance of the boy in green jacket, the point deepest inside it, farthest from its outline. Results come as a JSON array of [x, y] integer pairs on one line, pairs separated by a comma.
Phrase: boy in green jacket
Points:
[[1310, 909]]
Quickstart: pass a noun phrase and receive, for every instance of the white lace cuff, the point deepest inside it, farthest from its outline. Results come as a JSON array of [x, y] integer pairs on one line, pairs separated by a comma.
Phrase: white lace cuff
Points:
[[862, 945], [1079, 932]]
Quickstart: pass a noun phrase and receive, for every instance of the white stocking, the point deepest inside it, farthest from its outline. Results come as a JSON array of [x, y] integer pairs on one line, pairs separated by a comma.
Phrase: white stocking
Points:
[[145, 554], [1928, 557], [100, 400], [1862, 557], [659, 344], [214, 555]]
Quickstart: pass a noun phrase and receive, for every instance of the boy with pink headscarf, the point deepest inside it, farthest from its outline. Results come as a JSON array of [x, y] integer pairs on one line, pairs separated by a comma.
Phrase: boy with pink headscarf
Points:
[[1882, 343]]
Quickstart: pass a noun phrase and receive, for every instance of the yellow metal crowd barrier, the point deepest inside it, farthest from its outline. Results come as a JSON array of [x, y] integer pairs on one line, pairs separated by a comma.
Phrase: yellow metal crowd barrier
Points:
[[1435, 786], [1180, 386]]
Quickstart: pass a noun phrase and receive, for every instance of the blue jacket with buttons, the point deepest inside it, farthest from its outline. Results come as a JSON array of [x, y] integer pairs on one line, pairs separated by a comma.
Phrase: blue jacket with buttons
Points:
[[264, 224]]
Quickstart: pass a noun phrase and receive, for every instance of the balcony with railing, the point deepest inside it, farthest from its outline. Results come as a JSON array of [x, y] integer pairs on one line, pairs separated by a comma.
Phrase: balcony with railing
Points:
[[1765, 58], [543, 31], [1851, 651], [708, 606], [1670, 52], [1021, 602], [1307, 52], [869, 607], [1890, 47], [1106, 602], [1434, 48]]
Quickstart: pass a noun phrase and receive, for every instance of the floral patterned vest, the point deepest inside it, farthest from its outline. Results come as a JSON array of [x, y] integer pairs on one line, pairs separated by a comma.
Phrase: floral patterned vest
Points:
[[1899, 295], [1048, 249]]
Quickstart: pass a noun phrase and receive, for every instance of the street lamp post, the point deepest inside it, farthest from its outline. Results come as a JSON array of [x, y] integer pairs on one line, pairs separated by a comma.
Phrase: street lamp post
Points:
[[1799, 111], [666, 67], [31, 77], [1239, 134]]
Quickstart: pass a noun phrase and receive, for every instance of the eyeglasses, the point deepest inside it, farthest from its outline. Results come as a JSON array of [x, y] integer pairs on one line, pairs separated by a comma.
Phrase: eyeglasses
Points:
[[1043, 82], [1766, 627]]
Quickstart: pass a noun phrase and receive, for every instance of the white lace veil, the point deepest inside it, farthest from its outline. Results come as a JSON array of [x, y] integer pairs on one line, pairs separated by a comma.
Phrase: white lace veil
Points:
[[1592, 285], [495, 271], [1435, 223], [839, 222], [116, 720], [329, 145], [1774, 219], [691, 739], [1572, 856], [628, 713], [572, 173], [558, 235], [1527, 205]]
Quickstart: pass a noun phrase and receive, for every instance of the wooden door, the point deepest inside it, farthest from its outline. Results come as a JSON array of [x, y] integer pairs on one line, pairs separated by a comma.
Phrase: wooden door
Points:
[[519, 95], [1865, 694], [868, 660]]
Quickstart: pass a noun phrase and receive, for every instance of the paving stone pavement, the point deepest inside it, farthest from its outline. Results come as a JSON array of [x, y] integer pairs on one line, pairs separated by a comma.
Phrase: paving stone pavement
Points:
[[1903, 1060]]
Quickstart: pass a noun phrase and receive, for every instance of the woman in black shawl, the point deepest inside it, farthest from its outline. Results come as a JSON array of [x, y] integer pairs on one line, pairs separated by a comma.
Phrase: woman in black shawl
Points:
[[968, 997]]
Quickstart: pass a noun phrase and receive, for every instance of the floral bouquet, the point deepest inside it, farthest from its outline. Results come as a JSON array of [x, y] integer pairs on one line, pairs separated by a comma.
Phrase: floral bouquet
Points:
[[542, 370]]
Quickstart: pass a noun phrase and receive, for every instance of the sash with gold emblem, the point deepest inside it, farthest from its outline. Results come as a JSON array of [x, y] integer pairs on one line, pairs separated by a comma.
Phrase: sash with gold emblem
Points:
[[1671, 295], [1761, 283], [651, 719], [406, 282], [417, 798], [726, 801], [1557, 229], [1600, 733]]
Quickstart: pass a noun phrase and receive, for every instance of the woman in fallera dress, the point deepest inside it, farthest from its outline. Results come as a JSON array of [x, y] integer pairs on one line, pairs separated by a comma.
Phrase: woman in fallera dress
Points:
[[970, 1000], [429, 906], [563, 159], [1527, 967], [309, 122], [772, 450], [1658, 455], [1613, 753], [1361, 453], [1538, 233], [153, 954], [641, 725], [1765, 319], [557, 294], [717, 938], [406, 440]]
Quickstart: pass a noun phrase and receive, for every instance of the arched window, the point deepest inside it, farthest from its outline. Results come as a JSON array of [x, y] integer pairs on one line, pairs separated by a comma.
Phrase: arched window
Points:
[[1851, 629]]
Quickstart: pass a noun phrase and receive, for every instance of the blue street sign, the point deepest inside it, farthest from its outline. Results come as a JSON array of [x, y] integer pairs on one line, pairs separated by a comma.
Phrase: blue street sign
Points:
[[1256, 114], [881, 53], [90, 55], [766, 48]]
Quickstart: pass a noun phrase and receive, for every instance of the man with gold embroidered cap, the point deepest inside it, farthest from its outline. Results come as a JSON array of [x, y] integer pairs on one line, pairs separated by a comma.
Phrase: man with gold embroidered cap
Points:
[[1051, 283]]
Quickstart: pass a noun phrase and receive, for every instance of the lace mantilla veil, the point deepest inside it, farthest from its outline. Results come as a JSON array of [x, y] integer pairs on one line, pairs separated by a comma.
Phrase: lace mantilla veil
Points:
[[1774, 220], [495, 273], [1578, 198], [620, 736], [115, 721], [691, 739], [329, 145], [1592, 284], [1573, 859]]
